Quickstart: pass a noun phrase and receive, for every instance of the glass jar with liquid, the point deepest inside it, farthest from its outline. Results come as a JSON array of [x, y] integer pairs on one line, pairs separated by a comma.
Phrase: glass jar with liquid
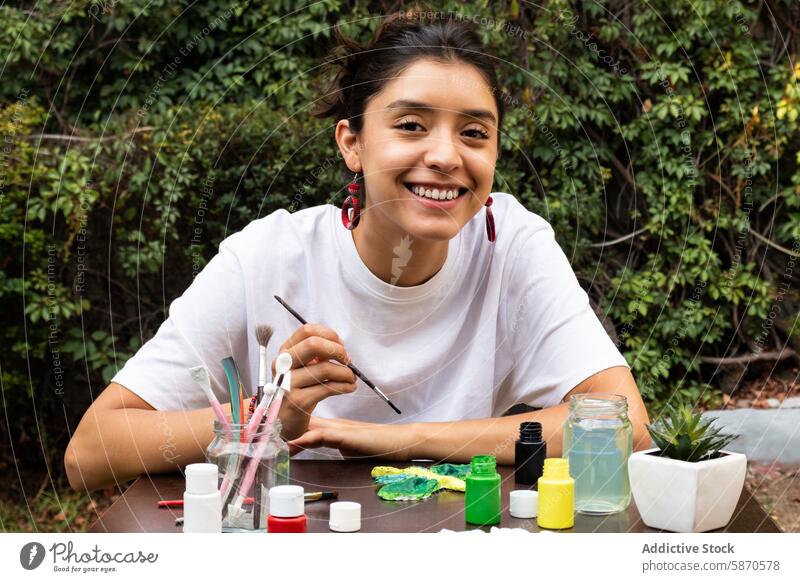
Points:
[[249, 466], [598, 439]]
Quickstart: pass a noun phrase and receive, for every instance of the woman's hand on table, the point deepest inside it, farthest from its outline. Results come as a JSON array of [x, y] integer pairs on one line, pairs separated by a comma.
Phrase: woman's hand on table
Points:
[[314, 377], [358, 439]]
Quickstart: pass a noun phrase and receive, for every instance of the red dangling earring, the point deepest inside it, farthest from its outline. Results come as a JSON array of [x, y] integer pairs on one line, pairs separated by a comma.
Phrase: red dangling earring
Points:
[[352, 203], [491, 233]]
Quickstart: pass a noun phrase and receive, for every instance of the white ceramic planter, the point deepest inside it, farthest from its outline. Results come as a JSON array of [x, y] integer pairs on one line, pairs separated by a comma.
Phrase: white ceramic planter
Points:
[[686, 497]]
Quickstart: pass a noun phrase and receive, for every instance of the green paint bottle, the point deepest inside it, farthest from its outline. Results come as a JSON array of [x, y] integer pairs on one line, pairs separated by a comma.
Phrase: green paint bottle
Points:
[[482, 496]]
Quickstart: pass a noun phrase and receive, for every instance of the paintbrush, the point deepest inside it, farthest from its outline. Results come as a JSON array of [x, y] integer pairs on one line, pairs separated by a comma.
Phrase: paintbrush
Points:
[[263, 335], [202, 377], [355, 370], [253, 471]]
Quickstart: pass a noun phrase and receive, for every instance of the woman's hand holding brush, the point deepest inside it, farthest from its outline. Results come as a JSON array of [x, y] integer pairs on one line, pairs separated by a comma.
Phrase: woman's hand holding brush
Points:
[[314, 376]]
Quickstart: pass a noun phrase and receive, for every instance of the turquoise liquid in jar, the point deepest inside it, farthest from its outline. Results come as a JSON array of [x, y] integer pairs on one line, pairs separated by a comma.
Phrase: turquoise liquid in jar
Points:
[[598, 441]]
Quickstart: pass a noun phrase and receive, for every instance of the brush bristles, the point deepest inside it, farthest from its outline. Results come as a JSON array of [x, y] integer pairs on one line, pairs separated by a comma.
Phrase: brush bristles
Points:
[[264, 334]]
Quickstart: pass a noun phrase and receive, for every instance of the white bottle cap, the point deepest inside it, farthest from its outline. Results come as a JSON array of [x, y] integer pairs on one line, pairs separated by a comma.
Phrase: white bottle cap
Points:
[[524, 503], [286, 501], [202, 478], [345, 516]]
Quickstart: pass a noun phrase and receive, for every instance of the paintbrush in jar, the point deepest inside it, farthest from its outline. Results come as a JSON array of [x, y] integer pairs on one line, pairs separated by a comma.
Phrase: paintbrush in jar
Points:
[[263, 335]]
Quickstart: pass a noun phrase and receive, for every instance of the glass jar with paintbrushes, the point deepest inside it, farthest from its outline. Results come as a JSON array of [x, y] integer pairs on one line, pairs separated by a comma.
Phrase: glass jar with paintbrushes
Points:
[[249, 453], [259, 454], [250, 462]]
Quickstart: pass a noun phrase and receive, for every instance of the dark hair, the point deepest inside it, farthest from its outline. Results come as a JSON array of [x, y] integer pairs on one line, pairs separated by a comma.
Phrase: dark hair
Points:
[[402, 38]]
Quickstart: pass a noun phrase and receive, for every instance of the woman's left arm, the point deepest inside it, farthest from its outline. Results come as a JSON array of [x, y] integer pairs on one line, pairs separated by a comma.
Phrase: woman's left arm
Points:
[[459, 441]]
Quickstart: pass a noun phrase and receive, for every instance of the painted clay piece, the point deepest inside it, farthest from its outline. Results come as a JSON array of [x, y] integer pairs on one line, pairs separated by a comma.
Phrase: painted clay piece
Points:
[[452, 470], [405, 484], [386, 479], [409, 489]]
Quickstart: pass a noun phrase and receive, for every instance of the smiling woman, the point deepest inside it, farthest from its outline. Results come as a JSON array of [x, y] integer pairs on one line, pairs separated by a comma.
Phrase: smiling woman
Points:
[[454, 299], [427, 151]]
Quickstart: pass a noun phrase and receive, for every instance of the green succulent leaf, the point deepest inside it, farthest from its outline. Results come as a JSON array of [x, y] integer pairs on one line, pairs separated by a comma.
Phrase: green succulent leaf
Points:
[[682, 434]]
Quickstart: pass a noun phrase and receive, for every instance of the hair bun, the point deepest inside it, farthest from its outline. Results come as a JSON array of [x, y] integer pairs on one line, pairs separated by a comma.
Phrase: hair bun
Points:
[[354, 72]]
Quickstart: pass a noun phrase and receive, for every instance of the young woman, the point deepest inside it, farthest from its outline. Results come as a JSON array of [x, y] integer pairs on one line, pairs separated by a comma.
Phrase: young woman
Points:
[[455, 300]]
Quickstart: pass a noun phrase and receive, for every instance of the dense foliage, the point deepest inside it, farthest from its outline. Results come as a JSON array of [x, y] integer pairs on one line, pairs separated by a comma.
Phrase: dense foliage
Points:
[[659, 138]]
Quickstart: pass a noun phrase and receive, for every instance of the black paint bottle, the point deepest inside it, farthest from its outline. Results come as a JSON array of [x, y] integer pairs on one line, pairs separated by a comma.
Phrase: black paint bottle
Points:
[[529, 454]]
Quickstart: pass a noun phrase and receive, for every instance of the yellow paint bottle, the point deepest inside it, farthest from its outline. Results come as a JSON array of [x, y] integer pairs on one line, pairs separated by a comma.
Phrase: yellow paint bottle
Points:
[[556, 496]]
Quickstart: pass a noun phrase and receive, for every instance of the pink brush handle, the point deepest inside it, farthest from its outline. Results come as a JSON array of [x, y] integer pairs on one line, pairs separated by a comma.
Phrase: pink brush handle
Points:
[[249, 433], [217, 408], [226, 483], [275, 408], [252, 465], [220, 414], [255, 420]]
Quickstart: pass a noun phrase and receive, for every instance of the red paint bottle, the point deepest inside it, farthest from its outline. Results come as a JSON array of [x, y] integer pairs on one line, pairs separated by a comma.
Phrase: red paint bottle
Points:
[[286, 510]]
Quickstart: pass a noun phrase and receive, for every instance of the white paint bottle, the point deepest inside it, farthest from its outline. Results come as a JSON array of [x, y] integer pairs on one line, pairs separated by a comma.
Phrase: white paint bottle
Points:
[[202, 503]]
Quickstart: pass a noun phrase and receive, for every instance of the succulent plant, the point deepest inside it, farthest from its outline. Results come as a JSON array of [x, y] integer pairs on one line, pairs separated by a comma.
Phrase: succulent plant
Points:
[[685, 435]]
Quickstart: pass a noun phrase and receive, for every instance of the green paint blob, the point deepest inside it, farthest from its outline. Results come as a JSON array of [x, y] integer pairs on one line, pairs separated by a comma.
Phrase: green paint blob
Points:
[[415, 483], [452, 470], [408, 489]]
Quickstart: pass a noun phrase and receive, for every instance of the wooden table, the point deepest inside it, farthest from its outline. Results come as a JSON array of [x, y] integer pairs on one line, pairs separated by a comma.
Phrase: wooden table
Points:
[[136, 510]]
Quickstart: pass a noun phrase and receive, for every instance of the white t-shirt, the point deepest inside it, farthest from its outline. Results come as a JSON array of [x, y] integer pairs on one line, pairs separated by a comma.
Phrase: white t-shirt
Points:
[[500, 323]]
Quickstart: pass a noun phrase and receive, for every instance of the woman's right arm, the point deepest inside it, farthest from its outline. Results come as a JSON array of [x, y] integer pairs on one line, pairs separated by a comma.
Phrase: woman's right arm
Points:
[[121, 436]]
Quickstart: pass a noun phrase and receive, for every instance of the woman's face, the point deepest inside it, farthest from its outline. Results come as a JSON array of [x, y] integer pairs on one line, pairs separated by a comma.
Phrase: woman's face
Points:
[[428, 149]]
